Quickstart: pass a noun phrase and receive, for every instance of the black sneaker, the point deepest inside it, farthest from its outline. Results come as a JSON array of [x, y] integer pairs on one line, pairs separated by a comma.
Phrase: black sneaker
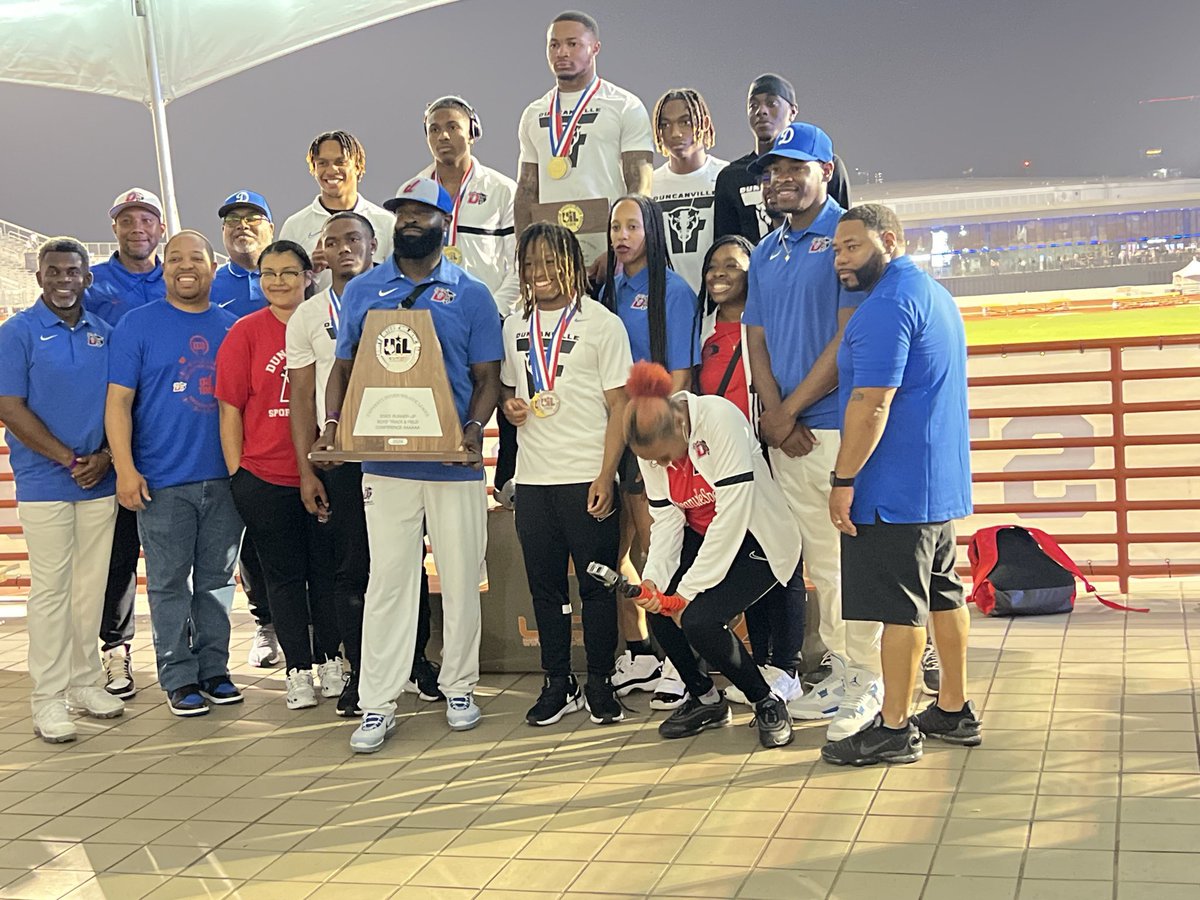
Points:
[[876, 744], [186, 701], [774, 722], [820, 673], [560, 695], [964, 728], [347, 705], [694, 717], [931, 670], [221, 691], [425, 677], [601, 701]]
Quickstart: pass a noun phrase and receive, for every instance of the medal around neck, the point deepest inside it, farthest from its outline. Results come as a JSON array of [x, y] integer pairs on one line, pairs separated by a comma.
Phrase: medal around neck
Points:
[[544, 404], [543, 360], [558, 167], [453, 254]]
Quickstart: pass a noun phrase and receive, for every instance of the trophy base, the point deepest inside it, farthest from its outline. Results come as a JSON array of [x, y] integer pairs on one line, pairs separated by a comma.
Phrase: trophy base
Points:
[[458, 457]]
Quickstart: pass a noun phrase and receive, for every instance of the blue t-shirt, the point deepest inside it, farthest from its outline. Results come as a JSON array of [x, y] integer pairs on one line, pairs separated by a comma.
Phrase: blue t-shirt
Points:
[[115, 290], [467, 326], [237, 290], [62, 375], [683, 345], [908, 334], [793, 292], [170, 358]]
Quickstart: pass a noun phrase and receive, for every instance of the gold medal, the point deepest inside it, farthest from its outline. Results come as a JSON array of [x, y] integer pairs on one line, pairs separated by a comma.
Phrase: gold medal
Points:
[[453, 254], [544, 403], [558, 167]]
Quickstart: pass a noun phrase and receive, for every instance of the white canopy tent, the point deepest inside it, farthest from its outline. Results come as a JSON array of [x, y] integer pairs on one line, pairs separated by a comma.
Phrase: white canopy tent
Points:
[[155, 51], [1188, 276]]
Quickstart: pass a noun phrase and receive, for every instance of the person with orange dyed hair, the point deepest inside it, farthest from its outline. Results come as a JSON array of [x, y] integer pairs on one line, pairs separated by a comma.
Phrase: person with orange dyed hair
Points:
[[720, 539]]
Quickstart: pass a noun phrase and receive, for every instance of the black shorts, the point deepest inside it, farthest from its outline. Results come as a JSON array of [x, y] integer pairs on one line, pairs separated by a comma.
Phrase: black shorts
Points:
[[629, 476], [898, 574]]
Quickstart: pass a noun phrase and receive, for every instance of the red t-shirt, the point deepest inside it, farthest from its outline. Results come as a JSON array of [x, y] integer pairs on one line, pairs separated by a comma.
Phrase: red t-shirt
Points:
[[714, 362], [692, 493], [252, 375]]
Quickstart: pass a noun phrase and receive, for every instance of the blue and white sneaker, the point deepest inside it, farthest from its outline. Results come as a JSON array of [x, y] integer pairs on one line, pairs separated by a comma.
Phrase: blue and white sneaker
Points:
[[374, 730], [823, 699], [461, 712], [221, 691], [186, 701], [862, 702]]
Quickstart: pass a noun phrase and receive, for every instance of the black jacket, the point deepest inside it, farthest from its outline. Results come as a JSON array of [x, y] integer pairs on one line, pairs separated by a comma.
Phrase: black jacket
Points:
[[731, 214]]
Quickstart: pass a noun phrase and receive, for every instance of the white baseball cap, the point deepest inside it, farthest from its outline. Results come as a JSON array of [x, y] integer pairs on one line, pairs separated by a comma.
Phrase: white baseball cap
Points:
[[136, 197]]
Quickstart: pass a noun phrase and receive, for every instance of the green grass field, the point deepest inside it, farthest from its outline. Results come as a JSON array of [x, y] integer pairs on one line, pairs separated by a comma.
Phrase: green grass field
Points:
[[1163, 321]]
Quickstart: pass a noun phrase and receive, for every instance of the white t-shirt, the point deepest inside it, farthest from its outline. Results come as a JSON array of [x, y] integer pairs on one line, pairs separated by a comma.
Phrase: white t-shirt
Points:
[[304, 227], [614, 122], [311, 340], [568, 447], [687, 202], [486, 234]]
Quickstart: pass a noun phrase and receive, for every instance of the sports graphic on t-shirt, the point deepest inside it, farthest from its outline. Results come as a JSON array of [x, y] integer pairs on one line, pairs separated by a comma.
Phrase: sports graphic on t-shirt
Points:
[[578, 137], [568, 344], [687, 218], [199, 370]]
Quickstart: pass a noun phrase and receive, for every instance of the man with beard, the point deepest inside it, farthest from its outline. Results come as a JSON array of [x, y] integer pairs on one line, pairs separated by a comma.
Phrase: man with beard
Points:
[[403, 500], [795, 313], [162, 424], [584, 139], [130, 278], [246, 228], [903, 473], [740, 207]]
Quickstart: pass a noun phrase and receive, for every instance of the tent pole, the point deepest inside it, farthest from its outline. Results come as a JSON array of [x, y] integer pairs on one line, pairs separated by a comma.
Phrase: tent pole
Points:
[[144, 10]]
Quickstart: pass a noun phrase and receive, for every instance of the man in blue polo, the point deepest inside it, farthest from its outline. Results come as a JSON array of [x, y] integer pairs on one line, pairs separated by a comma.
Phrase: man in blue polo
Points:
[[902, 475], [795, 313], [130, 278], [406, 500], [53, 366], [246, 230]]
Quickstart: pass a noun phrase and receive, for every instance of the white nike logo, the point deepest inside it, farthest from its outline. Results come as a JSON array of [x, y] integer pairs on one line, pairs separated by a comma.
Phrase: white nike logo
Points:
[[49, 337], [226, 303], [386, 293], [755, 555]]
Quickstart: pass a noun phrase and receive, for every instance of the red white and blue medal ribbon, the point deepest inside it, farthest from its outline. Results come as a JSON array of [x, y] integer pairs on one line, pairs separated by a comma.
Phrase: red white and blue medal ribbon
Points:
[[562, 138], [452, 236], [543, 360], [335, 311]]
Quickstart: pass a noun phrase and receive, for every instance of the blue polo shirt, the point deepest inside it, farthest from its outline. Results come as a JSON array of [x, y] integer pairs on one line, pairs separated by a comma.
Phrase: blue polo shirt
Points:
[[62, 375], [683, 345], [908, 334], [169, 357], [793, 293], [115, 290], [467, 326], [237, 290]]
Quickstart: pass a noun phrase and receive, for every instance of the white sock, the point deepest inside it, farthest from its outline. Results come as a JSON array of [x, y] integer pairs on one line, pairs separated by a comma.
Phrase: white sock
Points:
[[712, 698]]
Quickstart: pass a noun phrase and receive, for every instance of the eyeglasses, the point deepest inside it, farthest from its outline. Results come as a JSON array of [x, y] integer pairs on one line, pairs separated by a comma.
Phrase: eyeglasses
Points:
[[253, 220], [285, 275]]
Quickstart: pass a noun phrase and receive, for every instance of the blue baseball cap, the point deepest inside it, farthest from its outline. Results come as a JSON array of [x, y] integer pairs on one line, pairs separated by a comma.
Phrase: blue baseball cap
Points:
[[245, 198], [421, 190], [798, 141]]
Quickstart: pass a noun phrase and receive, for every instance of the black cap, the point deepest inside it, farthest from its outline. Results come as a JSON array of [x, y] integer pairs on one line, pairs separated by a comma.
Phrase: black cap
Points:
[[770, 83]]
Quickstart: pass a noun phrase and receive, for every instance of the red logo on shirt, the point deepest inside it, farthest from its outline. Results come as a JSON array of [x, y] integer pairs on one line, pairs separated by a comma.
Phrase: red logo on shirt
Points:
[[820, 244], [198, 344], [441, 295], [701, 448], [639, 302], [206, 385], [476, 197]]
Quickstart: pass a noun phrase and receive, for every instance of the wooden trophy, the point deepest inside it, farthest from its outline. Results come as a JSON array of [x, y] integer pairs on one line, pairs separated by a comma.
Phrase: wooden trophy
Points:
[[586, 219], [399, 406]]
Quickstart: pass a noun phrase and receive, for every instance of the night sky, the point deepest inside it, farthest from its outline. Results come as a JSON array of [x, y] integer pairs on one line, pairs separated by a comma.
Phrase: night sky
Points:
[[915, 89]]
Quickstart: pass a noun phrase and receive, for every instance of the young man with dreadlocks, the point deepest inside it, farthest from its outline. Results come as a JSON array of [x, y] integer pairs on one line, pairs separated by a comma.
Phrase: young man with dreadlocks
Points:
[[338, 163], [566, 359], [657, 308], [684, 185]]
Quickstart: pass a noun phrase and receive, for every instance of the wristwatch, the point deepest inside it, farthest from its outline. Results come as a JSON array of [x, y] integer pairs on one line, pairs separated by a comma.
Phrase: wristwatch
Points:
[[834, 481]]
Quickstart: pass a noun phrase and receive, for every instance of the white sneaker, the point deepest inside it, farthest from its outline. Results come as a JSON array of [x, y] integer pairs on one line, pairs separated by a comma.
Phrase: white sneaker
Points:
[[300, 691], [734, 695], [824, 698], [264, 652], [636, 673], [506, 496], [52, 723], [461, 712], [332, 675], [863, 700], [95, 701], [783, 684], [374, 730], [670, 692], [118, 672]]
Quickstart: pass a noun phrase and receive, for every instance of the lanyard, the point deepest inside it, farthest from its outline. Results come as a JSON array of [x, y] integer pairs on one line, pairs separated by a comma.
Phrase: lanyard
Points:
[[543, 360], [561, 138], [335, 311], [452, 238]]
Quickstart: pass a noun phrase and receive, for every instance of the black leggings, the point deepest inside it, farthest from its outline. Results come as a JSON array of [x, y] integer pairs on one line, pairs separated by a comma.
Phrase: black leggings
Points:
[[296, 562], [705, 621], [554, 526], [775, 624], [116, 622]]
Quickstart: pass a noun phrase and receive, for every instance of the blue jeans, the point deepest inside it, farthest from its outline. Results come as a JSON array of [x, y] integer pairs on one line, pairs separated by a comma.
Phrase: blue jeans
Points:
[[190, 534]]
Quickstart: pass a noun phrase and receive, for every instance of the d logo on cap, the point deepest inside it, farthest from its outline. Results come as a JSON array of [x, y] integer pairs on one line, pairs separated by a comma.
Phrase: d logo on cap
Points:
[[241, 197], [785, 136], [408, 188]]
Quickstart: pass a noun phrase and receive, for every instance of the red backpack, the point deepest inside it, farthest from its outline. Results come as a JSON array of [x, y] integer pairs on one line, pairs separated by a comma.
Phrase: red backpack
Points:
[[1023, 572]]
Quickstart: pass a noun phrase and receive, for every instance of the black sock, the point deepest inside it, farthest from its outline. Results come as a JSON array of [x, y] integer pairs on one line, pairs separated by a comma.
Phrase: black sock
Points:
[[955, 715], [639, 648], [903, 729]]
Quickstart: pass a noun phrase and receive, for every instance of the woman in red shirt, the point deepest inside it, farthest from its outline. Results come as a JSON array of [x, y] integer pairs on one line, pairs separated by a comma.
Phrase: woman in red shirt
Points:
[[252, 387], [720, 539], [775, 625]]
